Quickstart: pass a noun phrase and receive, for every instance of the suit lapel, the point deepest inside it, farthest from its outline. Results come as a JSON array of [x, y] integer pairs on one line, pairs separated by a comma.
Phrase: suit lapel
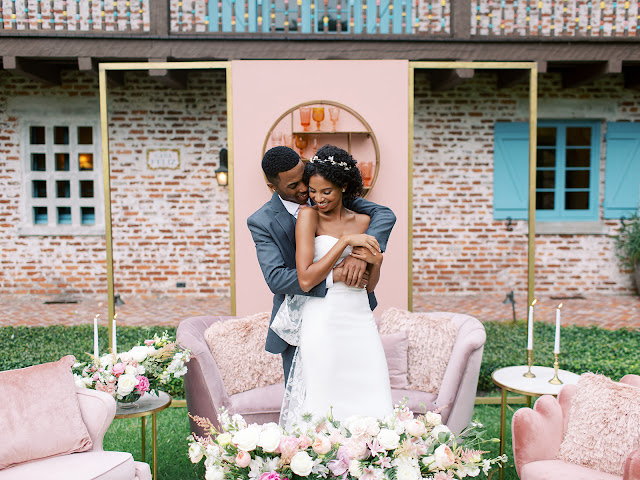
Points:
[[284, 218]]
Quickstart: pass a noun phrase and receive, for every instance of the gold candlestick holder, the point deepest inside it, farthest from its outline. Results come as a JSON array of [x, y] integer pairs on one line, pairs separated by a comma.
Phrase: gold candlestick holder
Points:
[[555, 380], [528, 373]]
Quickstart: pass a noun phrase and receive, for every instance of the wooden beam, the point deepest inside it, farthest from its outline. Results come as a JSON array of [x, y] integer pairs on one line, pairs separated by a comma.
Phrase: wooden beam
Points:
[[39, 71], [170, 78], [511, 78], [159, 21], [461, 22], [447, 79], [88, 64], [583, 74]]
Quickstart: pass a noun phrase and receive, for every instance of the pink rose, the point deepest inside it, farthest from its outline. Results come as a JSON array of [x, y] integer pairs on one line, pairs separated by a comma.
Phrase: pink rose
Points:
[[143, 384], [270, 476], [243, 459], [288, 448], [148, 343], [304, 442], [443, 476], [321, 445], [118, 369]]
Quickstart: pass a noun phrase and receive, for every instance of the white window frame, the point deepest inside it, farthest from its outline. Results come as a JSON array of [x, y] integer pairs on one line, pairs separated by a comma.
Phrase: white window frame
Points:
[[50, 175]]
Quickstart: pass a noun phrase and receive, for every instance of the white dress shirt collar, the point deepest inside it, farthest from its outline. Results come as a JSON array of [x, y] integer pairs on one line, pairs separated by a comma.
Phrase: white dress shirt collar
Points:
[[292, 207]]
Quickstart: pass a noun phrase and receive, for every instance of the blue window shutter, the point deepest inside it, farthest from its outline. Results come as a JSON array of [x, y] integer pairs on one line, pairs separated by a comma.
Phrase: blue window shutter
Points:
[[511, 171], [622, 170]]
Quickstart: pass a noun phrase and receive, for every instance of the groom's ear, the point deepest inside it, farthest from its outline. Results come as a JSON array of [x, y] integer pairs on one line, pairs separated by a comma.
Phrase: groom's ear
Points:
[[271, 186]]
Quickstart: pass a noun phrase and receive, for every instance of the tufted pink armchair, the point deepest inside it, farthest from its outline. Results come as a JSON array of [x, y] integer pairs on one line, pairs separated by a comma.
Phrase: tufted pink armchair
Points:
[[537, 434], [98, 410]]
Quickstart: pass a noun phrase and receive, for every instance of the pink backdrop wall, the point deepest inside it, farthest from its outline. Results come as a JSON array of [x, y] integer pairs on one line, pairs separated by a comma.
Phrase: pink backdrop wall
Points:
[[262, 91]]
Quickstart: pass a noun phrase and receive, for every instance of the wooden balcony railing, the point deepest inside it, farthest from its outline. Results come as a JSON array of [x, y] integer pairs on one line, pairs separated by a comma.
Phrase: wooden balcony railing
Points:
[[461, 19]]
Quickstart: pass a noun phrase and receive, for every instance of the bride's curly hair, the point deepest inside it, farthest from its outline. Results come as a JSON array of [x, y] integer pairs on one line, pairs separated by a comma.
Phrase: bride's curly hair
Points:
[[337, 166]]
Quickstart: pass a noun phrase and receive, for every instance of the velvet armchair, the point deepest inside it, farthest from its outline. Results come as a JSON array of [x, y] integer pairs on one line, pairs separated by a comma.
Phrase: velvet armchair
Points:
[[538, 433]]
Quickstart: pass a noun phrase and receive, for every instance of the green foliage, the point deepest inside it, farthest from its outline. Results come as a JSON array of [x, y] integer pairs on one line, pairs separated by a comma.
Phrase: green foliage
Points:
[[628, 243], [584, 349], [24, 346]]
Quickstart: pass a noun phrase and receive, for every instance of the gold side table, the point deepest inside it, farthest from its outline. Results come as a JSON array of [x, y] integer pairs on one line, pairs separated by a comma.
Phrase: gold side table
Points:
[[511, 379], [147, 405]]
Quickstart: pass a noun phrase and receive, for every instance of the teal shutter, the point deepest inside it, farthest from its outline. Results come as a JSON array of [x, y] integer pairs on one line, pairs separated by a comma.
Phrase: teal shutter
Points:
[[622, 170], [511, 171]]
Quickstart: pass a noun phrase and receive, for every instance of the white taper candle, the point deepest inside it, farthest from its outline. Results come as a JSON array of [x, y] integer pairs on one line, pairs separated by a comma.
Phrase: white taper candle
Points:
[[530, 326], [96, 350], [556, 345]]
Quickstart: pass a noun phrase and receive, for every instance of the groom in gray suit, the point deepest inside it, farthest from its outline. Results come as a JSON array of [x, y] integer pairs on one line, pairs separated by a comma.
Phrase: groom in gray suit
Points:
[[273, 230]]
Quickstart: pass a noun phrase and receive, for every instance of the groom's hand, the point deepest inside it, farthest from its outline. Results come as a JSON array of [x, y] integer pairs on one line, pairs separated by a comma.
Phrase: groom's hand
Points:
[[352, 271]]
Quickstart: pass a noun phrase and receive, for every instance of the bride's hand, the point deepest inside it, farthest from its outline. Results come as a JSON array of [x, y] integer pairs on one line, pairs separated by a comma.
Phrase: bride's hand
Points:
[[364, 254], [363, 240]]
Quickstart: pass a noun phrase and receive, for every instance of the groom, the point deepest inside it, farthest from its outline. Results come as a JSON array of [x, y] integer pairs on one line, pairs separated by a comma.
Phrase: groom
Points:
[[273, 230]]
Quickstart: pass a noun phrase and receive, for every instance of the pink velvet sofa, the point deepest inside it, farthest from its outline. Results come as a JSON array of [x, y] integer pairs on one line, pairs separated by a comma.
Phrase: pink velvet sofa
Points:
[[98, 410], [537, 434], [206, 393]]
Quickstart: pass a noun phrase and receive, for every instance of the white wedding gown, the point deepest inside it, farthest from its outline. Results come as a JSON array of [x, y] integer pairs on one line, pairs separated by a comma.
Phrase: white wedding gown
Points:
[[340, 363]]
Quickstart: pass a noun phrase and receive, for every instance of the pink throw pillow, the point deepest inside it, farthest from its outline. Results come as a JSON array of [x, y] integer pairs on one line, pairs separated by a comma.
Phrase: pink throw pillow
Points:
[[604, 424], [395, 348], [39, 413]]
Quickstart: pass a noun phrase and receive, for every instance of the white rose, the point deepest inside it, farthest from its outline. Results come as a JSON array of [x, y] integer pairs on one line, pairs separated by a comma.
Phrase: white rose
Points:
[[355, 469], [79, 381], [140, 370], [214, 473], [131, 370], [415, 428], [247, 439], [433, 418], [269, 439], [438, 429], [224, 439], [126, 384], [139, 353], [357, 426], [443, 456], [373, 427], [301, 464], [195, 452], [406, 472], [388, 439]]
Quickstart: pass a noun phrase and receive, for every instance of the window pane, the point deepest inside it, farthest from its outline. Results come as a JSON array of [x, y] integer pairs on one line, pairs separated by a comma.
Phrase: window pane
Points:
[[578, 158], [546, 157], [36, 135], [62, 162], [61, 135], [578, 136], [545, 200], [88, 215], [545, 179], [547, 136], [64, 215], [85, 135], [85, 161], [576, 200], [40, 215], [63, 189], [38, 162], [39, 189], [577, 179], [86, 188]]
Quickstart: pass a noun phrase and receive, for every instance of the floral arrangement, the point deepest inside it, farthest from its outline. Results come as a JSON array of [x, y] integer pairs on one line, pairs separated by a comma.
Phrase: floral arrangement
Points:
[[400, 447], [128, 375]]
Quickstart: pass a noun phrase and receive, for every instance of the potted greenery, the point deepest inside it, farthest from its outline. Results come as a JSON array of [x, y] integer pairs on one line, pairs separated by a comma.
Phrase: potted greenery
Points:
[[628, 247]]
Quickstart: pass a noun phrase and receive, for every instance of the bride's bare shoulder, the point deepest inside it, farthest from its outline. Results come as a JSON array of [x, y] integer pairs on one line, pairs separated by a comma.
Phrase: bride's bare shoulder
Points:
[[308, 214]]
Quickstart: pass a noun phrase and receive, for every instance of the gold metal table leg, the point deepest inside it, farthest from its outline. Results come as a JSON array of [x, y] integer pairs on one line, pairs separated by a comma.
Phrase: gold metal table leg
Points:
[[503, 419], [155, 452], [143, 422], [529, 402]]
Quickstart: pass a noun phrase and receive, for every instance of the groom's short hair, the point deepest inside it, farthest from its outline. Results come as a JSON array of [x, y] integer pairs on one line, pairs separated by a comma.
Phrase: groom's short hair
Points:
[[277, 160]]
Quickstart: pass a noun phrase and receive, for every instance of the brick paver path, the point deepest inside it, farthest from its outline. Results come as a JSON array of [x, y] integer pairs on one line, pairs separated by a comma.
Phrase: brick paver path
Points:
[[605, 311]]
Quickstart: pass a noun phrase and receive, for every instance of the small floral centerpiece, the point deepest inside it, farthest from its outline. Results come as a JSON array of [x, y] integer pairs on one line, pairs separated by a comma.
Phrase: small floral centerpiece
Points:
[[401, 447], [128, 375]]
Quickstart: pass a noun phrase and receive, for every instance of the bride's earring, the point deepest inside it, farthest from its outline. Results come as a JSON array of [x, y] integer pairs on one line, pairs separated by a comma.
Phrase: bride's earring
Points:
[[344, 190]]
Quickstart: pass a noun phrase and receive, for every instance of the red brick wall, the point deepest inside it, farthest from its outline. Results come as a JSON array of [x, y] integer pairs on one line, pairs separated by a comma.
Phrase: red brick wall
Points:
[[458, 247], [168, 226]]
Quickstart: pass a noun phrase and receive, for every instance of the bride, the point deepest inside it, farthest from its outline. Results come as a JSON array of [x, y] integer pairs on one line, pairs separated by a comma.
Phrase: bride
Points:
[[340, 365]]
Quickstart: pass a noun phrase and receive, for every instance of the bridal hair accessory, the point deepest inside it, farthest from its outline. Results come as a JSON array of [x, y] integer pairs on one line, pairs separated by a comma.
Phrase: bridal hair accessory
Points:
[[330, 160]]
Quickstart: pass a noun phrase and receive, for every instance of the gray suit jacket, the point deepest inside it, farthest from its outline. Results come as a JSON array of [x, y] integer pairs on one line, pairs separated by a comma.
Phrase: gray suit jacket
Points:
[[273, 230]]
